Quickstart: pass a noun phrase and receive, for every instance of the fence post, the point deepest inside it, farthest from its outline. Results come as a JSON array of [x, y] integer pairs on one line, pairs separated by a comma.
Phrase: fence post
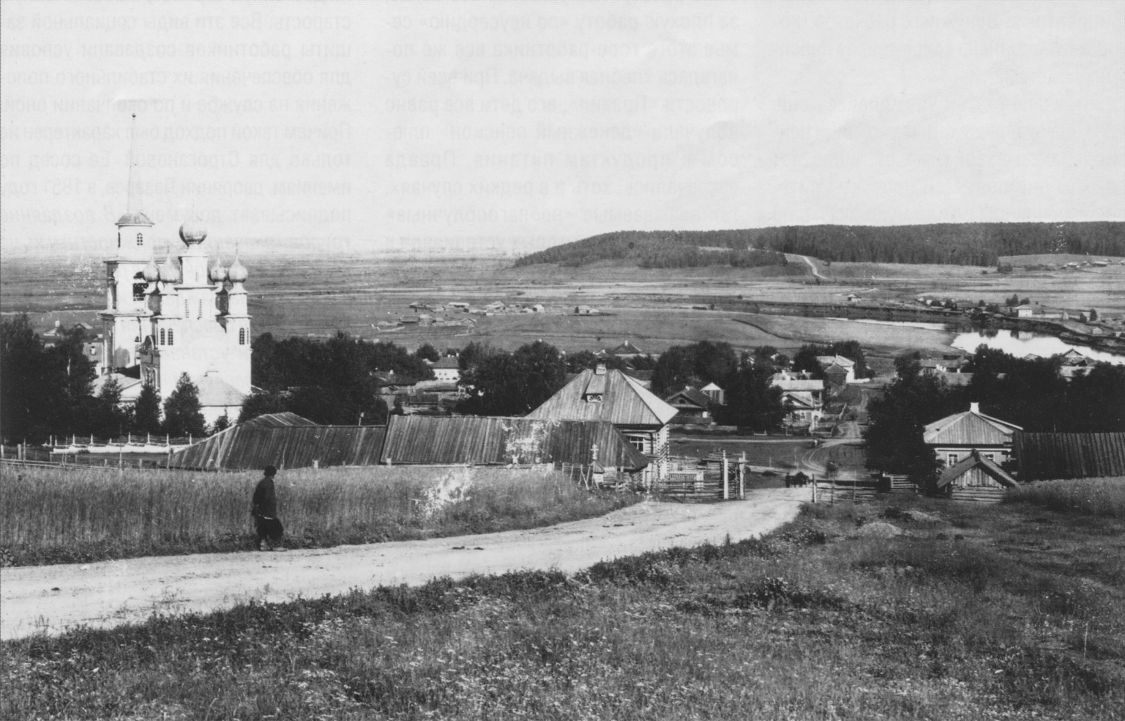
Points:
[[726, 477]]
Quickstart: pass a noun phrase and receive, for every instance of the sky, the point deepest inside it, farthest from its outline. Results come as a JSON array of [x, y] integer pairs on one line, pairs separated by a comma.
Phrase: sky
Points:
[[503, 126]]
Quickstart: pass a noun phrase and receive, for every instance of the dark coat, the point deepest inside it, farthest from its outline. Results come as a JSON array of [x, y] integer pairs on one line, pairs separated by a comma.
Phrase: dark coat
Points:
[[264, 503]]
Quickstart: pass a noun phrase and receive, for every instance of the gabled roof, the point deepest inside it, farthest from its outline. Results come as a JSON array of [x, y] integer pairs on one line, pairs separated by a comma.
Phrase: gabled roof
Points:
[[689, 394], [827, 360], [446, 362], [623, 401], [788, 383], [493, 440], [975, 460], [800, 402], [214, 391], [969, 428], [712, 386], [626, 348], [285, 419]]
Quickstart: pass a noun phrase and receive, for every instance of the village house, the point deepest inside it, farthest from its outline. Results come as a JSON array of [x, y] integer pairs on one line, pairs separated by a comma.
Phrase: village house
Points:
[[626, 351], [956, 437], [692, 405], [447, 369], [802, 396], [610, 395], [839, 361]]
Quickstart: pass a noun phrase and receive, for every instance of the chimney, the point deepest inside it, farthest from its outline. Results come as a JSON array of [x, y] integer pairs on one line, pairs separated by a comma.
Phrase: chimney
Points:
[[974, 408], [599, 369]]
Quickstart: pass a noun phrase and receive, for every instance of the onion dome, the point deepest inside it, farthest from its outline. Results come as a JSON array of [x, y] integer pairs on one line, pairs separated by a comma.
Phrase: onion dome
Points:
[[193, 232], [237, 271], [169, 272], [217, 273], [151, 273], [134, 217]]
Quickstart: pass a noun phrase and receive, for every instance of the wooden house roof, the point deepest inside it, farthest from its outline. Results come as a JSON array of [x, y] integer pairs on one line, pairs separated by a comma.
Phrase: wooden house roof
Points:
[[1043, 456], [688, 396], [284, 440], [975, 460], [969, 428], [610, 396], [493, 440]]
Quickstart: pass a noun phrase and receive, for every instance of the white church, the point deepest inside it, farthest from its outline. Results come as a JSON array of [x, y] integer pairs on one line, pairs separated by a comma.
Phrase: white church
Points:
[[186, 314]]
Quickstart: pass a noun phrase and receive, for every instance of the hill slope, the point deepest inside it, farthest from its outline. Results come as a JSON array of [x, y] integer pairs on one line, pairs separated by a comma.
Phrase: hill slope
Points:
[[951, 243]]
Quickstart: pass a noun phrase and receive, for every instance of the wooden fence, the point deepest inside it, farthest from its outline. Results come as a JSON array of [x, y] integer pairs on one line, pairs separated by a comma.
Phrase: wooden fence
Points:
[[859, 490]]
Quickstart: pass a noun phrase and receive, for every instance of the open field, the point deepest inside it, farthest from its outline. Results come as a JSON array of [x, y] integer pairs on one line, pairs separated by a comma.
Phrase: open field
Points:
[[93, 514], [1000, 612], [656, 308]]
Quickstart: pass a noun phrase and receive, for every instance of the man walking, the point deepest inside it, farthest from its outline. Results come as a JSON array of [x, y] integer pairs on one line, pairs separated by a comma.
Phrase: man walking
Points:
[[263, 508]]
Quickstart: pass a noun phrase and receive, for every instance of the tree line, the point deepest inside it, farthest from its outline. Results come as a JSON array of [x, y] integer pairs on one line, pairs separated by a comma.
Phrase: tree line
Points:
[[1027, 392], [46, 390], [943, 243]]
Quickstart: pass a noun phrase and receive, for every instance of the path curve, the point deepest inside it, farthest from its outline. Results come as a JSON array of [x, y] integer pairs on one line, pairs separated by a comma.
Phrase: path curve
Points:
[[52, 599]]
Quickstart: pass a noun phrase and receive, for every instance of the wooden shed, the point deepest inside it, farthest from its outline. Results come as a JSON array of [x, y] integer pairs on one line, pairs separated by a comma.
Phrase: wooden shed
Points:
[[975, 478]]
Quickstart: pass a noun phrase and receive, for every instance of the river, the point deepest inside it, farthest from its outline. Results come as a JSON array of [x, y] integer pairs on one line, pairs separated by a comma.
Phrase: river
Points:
[[1024, 344]]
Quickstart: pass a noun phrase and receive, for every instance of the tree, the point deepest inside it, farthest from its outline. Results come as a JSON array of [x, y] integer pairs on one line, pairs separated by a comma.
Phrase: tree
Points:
[[221, 424], [146, 411], [106, 417], [427, 352], [503, 384], [182, 413], [753, 403], [21, 358], [261, 403]]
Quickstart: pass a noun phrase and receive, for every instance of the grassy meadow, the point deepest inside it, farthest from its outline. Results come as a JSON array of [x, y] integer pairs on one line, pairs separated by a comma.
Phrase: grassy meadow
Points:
[[1000, 612], [1097, 496], [92, 514]]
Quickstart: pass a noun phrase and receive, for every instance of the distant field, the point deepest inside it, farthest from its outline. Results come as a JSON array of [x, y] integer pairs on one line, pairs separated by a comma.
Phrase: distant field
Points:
[[655, 308], [1055, 259]]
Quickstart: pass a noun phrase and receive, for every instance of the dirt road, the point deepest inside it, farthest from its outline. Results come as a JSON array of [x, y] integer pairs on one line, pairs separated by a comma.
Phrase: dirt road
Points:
[[55, 598]]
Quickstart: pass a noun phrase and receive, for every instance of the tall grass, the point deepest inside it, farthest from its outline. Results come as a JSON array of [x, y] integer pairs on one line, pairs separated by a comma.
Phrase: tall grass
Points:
[[52, 516], [1095, 496], [812, 622]]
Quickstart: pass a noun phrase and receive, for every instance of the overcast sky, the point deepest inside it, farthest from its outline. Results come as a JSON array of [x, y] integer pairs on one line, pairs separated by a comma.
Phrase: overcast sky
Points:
[[370, 126]]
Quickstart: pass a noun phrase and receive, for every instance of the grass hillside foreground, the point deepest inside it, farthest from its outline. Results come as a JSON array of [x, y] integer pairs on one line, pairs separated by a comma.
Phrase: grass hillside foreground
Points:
[[920, 609]]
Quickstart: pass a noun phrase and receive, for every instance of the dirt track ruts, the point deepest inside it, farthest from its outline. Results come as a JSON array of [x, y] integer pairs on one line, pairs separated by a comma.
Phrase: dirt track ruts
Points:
[[52, 599]]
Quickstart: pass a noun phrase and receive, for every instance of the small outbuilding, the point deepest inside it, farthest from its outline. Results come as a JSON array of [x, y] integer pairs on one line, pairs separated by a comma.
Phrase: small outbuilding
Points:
[[975, 478]]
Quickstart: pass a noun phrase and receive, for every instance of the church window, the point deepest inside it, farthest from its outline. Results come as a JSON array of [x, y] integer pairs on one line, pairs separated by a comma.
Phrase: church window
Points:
[[119, 239], [171, 340], [200, 313], [162, 337], [139, 286], [187, 309], [242, 336], [140, 238]]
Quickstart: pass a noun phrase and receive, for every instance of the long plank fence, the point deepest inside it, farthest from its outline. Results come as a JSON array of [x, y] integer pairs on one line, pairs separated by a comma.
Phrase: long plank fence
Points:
[[859, 490]]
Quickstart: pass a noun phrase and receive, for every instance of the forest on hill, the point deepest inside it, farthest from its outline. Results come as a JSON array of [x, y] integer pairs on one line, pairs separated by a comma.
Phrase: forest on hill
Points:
[[940, 243]]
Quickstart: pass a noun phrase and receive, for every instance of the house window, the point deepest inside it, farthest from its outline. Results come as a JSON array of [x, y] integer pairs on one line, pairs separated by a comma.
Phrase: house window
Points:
[[990, 456], [951, 460], [242, 336], [162, 336], [635, 442], [140, 238], [139, 286], [171, 340], [593, 397]]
